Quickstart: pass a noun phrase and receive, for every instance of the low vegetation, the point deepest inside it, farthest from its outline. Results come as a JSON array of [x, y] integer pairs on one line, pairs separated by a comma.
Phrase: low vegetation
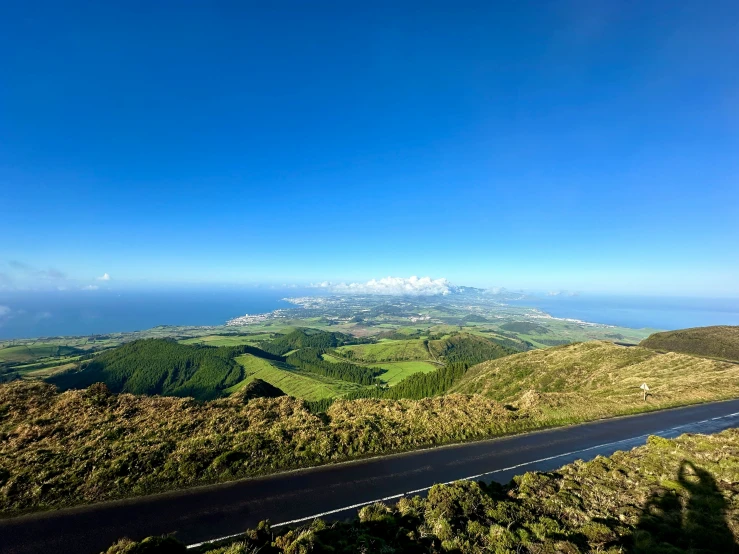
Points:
[[386, 351], [295, 382], [714, 342], [598, 379], [669, 496], [81, 446], [525, 328], [396, 372], [455, 347]]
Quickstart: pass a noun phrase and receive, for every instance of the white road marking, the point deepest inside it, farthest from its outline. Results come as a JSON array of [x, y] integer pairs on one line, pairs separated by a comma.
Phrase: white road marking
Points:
[[470, 478]]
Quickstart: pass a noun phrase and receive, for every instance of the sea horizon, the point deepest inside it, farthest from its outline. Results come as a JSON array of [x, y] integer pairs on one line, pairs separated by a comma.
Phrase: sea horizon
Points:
[[80, 313]]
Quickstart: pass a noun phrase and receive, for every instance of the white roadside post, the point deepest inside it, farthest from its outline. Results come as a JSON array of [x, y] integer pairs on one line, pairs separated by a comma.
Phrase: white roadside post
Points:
[[645, 388]]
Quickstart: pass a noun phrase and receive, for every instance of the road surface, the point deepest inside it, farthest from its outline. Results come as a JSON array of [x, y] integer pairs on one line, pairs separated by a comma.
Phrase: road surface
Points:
[[336, 491]]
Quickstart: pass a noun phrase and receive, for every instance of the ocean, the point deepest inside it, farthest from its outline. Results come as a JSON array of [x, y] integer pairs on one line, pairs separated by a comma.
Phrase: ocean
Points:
[[67, 313], [637, 312]]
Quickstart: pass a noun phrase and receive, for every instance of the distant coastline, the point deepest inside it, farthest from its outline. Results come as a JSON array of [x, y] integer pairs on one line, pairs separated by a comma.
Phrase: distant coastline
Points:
[[99, 312], [639, 312]]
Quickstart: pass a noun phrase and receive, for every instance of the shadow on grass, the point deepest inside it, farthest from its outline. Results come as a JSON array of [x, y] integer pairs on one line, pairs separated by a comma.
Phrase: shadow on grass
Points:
[[690, 517]]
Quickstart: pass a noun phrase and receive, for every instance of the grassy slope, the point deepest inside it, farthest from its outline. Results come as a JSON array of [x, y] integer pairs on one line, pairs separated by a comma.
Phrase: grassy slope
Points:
[[669, 496], [225, 340], [397, 371], [87, 446], [300, 384], [387, 351], [455, 347], [30, 352], [714, 342], [594, 379]]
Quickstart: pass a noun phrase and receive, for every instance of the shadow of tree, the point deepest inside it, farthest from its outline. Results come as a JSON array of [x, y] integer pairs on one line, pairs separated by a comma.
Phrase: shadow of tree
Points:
[[686, 516]]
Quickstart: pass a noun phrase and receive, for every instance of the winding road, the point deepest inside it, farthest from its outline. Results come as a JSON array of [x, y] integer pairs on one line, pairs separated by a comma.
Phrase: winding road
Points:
[[336, 491]]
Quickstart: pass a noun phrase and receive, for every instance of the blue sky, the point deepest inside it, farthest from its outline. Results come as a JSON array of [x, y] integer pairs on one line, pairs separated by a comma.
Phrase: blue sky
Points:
[[554, 145]]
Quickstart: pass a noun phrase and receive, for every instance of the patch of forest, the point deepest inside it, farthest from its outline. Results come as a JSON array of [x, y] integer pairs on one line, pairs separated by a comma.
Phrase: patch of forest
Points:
[[309, 338], [164, 367], [310, 359]]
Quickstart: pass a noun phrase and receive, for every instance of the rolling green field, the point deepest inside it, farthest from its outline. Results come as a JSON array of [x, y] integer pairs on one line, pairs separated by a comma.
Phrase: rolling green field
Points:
[[31, 352], [386, 351], [594, 379], [397, 371], [226, 340], [292, 382]]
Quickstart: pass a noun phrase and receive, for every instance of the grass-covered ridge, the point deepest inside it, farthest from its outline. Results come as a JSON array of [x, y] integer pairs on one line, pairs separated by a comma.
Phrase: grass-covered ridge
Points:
[[669, 496], [721, 341], [594, 379], [91, 445]]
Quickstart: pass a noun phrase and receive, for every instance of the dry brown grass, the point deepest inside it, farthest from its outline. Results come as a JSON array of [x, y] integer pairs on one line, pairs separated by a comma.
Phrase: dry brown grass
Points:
[[667, 497], [596, 379], [76, 447]]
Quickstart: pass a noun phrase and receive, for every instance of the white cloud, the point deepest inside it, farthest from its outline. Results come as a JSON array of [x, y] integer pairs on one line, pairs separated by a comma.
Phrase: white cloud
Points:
[[413, 286], [105, 277], [4, 311], [562, 293], [90, 287]]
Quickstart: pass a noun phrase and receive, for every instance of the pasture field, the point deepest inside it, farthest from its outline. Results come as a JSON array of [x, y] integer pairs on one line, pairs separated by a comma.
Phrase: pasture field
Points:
[[226, 340], [397, 371], [30, 352], [300, 384], [386, 351], [46, 371]]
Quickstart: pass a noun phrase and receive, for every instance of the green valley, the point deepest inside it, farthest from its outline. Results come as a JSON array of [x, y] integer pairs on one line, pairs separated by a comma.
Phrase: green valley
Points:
[[93, 444]]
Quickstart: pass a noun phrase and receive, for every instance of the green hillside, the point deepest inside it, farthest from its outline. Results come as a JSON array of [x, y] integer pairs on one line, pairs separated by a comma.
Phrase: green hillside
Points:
[[714, 342], [468, 349], [386, 351], [82, 441], [590, 378], [293, 381], [161, 366], [457, 347], [31, 352], [307, 338]]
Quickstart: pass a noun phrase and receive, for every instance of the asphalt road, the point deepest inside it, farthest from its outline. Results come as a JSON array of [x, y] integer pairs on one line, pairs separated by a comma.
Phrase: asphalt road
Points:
[[336, 491]]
